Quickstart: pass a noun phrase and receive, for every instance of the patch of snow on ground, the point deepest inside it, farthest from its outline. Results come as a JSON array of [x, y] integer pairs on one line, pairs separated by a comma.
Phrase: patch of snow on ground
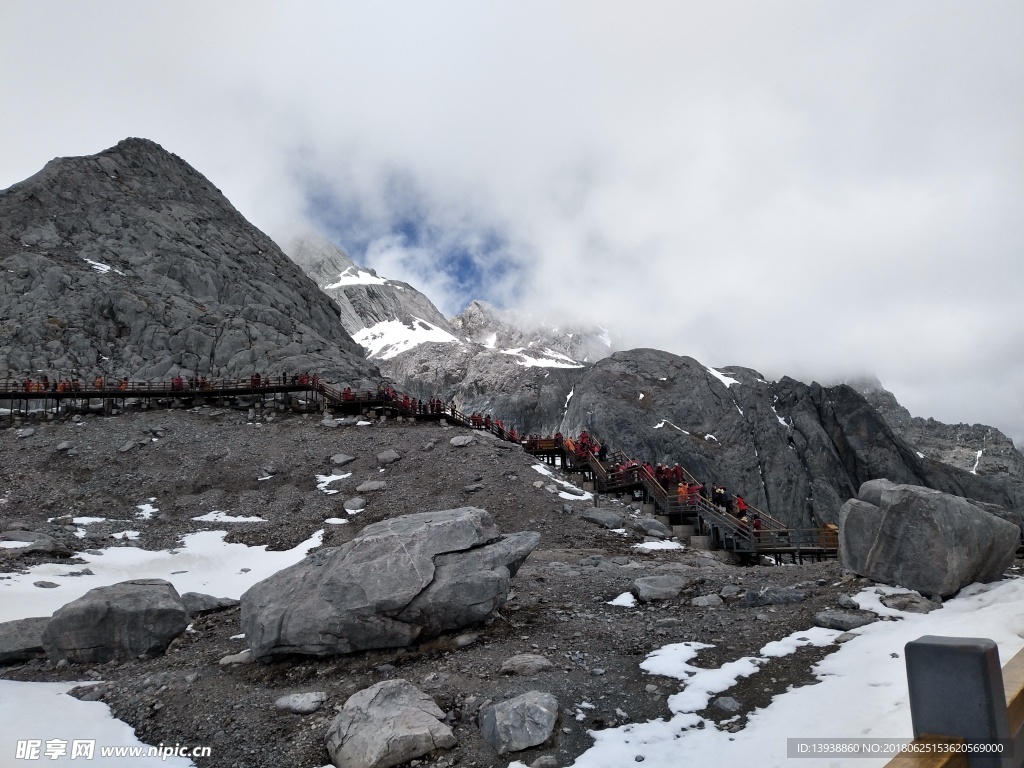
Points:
[[626, 600], [88, 520], [727, 380], [580, 494], [203, 563], [15, 544], [652, 545], [336, 521], [322, 481], [392, 337], [22, 708], [711, 437], [548, 359], [862, 693], [218, 516], [146, 511]]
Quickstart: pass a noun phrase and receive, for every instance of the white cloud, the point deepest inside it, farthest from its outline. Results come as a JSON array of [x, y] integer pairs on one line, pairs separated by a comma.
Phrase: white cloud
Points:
[[802, 188]]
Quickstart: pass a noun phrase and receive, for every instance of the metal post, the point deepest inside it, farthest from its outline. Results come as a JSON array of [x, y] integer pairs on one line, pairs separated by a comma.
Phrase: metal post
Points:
[[956, 690]]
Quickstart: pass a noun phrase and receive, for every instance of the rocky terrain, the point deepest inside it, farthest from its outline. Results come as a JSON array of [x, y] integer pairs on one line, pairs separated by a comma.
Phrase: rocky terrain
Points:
[[131, 263], [975, 448], [183, 464], [796, 450]]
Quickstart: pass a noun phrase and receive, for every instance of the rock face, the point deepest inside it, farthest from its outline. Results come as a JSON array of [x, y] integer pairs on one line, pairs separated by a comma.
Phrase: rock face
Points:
[[118, 622], [364, 299], [131, 263], [924, 540], [519, 723], [974, 448], [399, 580], [387, 724], [794, 450]]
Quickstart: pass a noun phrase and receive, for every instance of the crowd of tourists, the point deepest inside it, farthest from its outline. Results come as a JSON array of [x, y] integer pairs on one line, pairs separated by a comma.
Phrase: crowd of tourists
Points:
[[673, 480]]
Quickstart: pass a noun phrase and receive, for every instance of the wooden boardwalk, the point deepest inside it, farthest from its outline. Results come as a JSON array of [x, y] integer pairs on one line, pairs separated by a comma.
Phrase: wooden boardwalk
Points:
[[725, 531]]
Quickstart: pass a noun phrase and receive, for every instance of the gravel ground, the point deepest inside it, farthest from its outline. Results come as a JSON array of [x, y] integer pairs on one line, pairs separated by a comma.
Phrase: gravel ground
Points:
[[197, 461]]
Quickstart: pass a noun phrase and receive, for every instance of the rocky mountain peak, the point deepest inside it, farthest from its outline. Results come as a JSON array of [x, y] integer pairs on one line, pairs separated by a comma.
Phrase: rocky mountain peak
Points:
[[130, 262]]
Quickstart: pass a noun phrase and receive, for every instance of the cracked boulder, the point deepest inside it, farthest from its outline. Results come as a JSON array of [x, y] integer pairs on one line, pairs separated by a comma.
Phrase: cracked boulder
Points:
[[387, 724], [398, 581], [119, 622], [923, 539]]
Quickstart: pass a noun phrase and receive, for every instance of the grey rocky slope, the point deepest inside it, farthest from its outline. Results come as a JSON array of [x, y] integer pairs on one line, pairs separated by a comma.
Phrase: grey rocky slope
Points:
[[794, 450], [975, 448], [363, 298], [130, 262]]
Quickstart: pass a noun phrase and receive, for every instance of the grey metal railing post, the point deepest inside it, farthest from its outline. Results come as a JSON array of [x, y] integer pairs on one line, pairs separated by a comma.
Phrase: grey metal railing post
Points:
[[956, 690]]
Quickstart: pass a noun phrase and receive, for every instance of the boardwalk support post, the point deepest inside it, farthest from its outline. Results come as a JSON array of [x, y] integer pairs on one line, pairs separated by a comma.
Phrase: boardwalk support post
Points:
[[956, 690]]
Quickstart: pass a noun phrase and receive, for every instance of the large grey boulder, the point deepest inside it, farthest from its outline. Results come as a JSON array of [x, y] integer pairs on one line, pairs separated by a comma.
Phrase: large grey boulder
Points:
[[925, 540], [22, 639], [387, 724], [652, 527], [650, 588], [118, 622], [519, 723], [399, 580]]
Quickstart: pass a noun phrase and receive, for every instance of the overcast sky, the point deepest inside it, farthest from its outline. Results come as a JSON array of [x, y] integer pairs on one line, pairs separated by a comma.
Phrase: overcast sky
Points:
[[805, 188]]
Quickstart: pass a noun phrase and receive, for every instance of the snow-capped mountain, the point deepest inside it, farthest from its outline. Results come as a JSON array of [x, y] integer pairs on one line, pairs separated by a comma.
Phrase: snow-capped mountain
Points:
[[385, 316]]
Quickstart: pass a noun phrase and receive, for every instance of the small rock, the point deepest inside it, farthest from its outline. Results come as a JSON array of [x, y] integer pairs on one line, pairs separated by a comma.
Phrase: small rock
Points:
[[461, 441], [329, 422], [473, 487], [302, 703], [845, 637], [127, 446], [606, 518], [707, 601], [525, 664], [845, 601], [727, 704], [465, 640], [371, 485], [340, 459], [911, 602], [390, 456], [519, 723], [44, 584], [355, 504], [547, 761], [244, 657], [64, 446], [26, 432], [844, 620], [730, 590], [775, 596]]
